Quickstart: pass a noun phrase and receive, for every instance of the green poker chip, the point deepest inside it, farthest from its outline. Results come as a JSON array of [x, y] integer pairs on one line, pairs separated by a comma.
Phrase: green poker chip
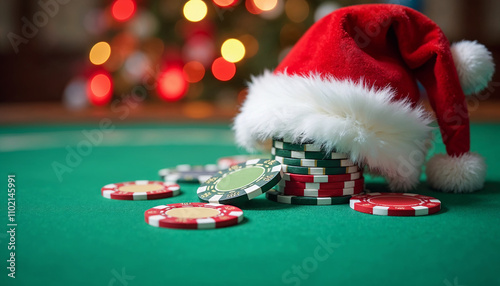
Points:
[[296, 147], [308, 154], [314, 163], [319, 171], [242, 182], [278, 197]]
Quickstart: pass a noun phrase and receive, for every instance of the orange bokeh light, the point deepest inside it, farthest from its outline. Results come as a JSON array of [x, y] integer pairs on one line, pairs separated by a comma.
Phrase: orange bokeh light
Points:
[[194, 71], [123, 10], [172, 85], [225, 3], [100, 88], [250, 5], [223, 70], [198, 109]]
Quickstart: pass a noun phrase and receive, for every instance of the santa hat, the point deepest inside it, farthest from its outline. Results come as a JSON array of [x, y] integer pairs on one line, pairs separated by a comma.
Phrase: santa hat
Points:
[[350, 84]]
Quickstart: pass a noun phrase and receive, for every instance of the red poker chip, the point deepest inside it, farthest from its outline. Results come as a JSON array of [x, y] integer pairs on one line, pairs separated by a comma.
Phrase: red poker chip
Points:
[[322, 178], [140, 190], [193, 216], [332, 185], [321, 192], [395, 204]]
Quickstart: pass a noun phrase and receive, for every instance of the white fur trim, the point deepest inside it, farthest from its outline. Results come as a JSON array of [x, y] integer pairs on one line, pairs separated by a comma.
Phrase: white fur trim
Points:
[[474, 65], [351, 117], [463, 174]]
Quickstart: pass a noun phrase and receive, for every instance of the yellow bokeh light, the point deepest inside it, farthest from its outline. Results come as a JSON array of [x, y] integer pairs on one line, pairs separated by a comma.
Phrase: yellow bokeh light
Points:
[[195, 10], [100, 53], [232, 50], [265, 5]]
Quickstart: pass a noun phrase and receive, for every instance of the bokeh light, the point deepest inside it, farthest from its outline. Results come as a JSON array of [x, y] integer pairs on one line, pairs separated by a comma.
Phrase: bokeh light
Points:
[[100, 53], [232, 50], [75, 94], [324, 9], [297, 10], [100, 88], [123, 10], [251, 45], [194, 71], [195, 10], [198, 109], [172, 85], [275, 12], [250, 5], [199, 48], [265, 5], [225, 3], [136, 66], [223, 70], [144, 24]]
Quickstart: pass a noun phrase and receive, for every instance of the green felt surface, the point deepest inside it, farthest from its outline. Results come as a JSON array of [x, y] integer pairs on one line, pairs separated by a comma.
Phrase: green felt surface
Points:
[[68, 234]]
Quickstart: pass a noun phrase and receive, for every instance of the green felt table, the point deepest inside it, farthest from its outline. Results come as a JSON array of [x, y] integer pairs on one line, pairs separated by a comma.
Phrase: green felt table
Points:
[[68, 234]]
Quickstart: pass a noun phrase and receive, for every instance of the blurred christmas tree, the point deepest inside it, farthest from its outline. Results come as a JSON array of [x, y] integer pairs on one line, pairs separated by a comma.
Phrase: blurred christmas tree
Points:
[[197, 52]]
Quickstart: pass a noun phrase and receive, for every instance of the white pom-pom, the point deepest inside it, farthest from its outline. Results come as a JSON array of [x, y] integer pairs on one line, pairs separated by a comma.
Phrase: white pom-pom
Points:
[[474, 65], [462, 174]]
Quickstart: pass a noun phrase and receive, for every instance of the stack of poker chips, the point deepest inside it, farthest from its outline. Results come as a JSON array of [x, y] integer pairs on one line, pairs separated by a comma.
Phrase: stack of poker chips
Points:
[[313, 176]]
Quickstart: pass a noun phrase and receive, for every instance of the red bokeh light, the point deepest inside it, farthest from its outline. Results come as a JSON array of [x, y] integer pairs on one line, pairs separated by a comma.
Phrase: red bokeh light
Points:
[[194, 71], [172, 85], [100, 88], [123, 10], [252, 8], [223, 70], [225, 3]]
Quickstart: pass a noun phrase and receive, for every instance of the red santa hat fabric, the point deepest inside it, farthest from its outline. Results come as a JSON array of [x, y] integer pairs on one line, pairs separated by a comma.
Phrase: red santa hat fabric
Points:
[[350, 84]]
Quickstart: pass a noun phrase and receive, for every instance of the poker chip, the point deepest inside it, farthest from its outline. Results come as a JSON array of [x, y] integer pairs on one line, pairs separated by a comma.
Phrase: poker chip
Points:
[[321, 178], [241, 182], [395, 204], [188, 173], [319, 171], [320, 192], [278, 197], [297, 141], [226, 162], [314, 163], [140, 190], [331, 185], [307, 154], [278, 144], [193, 216]]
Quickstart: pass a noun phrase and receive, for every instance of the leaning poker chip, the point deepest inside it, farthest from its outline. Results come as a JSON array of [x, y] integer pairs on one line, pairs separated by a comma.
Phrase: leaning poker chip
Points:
[[193, 216], [395, 204], [307, 154], [321, 192], [241, 182], [186, 173], [321, 178], [296, 147], [319, 171], [278, 197], [331, 185], [314, 163], [296, 141], [226, 162], [140, 190]]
